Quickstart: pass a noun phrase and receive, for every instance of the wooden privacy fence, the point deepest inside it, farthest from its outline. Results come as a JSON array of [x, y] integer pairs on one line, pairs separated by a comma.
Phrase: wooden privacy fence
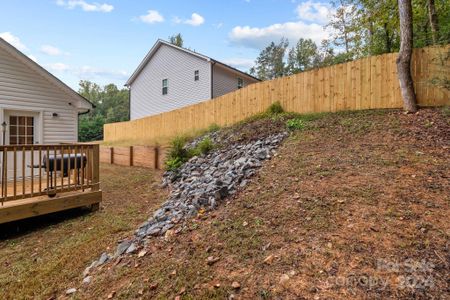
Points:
[[366, 83], [140, 156]]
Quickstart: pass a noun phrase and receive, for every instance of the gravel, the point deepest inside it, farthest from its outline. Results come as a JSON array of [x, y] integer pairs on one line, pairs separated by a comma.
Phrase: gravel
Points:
[[202, 183]]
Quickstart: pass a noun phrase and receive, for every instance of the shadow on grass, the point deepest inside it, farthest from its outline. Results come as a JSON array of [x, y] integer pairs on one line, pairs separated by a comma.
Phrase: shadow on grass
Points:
[[20, 228]]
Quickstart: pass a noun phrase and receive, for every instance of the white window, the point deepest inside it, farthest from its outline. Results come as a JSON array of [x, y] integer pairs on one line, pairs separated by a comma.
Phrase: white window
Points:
[[165, 86], [196, 75], [240, 83]]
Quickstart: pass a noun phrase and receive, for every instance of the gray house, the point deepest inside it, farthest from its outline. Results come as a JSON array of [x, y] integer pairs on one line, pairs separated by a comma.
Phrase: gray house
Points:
[[171, 77]]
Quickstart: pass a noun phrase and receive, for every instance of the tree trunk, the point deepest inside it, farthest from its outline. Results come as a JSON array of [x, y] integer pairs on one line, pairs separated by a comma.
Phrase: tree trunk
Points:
[[387, 38], [432, 16], [404, 56]]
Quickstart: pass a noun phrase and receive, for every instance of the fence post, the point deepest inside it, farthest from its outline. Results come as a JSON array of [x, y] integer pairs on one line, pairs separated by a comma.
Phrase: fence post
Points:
[[111, 159], [156, 157], [131, 156]]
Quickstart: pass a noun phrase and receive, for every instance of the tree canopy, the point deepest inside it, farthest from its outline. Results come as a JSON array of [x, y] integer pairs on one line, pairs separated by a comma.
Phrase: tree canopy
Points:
[[359, 28], [112, 105]]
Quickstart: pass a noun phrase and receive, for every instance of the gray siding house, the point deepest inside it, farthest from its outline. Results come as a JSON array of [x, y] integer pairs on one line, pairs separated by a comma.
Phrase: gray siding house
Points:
[[171, 77]]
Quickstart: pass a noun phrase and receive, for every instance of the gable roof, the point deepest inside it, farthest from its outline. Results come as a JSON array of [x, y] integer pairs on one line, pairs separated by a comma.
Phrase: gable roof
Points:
[[161, 42], [47, 75]]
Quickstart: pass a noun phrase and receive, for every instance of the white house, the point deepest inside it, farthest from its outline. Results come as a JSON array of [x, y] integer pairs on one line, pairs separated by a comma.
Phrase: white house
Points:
[[35, 106], [171, 77]]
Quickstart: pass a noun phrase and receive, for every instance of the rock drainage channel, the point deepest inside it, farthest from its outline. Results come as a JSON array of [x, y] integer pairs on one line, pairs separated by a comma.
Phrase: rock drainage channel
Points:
[[200, 183]]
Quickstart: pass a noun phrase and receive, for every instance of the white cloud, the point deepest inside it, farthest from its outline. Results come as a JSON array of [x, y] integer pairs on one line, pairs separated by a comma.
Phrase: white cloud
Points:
[[312, 16], [259, 37], [13, 40], [90, 7], [87, 72], [52, 50], [314, 12], [195, 20], [240, 63], [152, 16], [58, 67]]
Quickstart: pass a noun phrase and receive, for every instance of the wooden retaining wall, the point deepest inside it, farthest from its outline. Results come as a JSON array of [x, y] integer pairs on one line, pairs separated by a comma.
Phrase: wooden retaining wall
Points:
[[140, 156], [367, 83]]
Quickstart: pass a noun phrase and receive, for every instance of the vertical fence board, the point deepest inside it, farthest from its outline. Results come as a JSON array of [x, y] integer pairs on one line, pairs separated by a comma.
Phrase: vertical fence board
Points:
[[363, 84]]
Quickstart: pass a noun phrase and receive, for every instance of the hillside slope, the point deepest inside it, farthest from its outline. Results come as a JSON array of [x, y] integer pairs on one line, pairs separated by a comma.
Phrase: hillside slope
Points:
[[354, 206]]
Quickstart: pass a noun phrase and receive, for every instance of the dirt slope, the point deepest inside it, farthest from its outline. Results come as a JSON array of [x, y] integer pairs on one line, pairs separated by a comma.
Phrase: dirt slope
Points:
[[354, 206]]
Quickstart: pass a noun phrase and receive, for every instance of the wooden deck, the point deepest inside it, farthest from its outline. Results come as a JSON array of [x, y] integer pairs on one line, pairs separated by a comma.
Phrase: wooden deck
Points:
[[66, 186]]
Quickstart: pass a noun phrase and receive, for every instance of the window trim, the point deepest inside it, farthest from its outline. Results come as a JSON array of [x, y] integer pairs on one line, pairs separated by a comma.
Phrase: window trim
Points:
[[196, 75], [165, 86]]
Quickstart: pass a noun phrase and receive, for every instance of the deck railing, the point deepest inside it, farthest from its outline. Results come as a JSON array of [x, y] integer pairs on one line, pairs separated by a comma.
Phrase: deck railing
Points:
[[34, 170]]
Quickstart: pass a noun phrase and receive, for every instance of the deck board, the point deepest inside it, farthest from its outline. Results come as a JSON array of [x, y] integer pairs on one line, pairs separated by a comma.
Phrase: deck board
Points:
[[36, 206]]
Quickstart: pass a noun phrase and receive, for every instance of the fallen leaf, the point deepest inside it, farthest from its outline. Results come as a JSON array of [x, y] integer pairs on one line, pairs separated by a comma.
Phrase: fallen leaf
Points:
[[269, 259], [112, 294]]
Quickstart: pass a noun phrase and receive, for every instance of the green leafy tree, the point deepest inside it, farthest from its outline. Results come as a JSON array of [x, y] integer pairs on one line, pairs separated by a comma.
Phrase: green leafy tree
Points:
[[112, 105], [270, 63], [176, 40], [303, 56]]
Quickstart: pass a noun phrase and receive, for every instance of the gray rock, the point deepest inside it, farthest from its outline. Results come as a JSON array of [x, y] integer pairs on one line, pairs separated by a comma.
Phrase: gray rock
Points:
[[71, 291], [103, 259], [131, 249], [87, 280], [122, 247]]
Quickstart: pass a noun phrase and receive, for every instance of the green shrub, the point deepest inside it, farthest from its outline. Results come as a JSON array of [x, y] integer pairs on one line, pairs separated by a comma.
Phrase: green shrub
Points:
[[295, 124], [177, 148], [174, 163], [205, 145], [275, 108], [213, 127], [178, 154]]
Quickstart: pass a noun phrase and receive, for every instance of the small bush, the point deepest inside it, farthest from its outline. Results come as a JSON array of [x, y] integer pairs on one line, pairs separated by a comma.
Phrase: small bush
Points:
[[178, 154], [205, 145], [177, 148], [174, 163], [275, 108], [213, 127], [295, 124]]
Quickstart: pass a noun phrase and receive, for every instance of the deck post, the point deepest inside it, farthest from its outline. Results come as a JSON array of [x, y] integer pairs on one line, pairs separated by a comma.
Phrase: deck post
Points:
[[95, 173]]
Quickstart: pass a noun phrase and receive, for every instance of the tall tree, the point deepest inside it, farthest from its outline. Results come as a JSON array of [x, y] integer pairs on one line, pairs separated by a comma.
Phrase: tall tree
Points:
[[270, 63], [404, 56], [433, 19], [177, 40], [112, 105], [303, 56]]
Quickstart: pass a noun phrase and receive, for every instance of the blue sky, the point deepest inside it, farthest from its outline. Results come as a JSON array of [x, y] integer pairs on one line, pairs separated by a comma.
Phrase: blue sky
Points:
[[104, 40]]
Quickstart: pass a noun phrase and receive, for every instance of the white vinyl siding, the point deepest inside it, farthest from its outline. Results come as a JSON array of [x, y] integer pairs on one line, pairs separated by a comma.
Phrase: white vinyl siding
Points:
[[178, 67], [24, 89], [226, 81]]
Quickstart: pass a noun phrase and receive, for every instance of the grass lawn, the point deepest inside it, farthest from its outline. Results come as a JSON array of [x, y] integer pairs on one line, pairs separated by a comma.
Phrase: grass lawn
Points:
[[354, 206], [40, 257]]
